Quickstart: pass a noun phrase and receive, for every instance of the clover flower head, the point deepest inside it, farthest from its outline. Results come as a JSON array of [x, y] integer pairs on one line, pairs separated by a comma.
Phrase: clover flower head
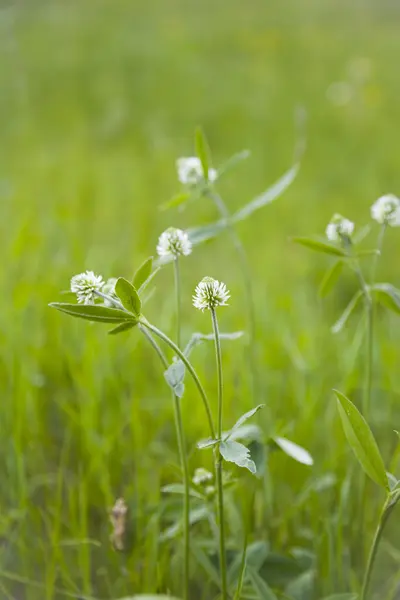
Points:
[[85, 285], [386, 210], [202, 476], [339, 228], [109, 290], [210, 293], [173, 243], [190, 171]]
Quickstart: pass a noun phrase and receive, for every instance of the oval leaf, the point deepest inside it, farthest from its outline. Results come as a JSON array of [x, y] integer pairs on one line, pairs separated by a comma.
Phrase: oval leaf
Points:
[[128, 296], [94, 312], [340, 323], [319, 246], [123, 327], [388, 295], [244, 418], [238, 454], [361, 440], [294, 451], [330, 279], [143, 273], [174, 376]]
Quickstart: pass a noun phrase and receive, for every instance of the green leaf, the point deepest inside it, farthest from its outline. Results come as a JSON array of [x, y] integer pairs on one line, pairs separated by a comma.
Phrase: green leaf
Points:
[[341, 322], [198, 235], [341, 597], [330, 279], [260, 586], [242, 571], [128, 296], [271, 194], [250, 431], [94, 312], [294, 451], [202, 150], [388, 295], [244, 418], [196, 514], [147, 282], [232, 162], [209, 567], [143, 273], [198, 338], [150, 597], [367, 253], [238, 454], [319, 246], [174, 376], [178, 488], [123, 327], [175, 201], [361, 440], [208, 443]]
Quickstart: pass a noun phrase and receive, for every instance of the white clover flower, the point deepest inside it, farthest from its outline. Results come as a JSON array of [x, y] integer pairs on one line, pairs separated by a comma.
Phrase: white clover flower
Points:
[[190, 171], [210, 293], [202, 476], [85, 285], [338, 228], [173, 243], [109, 290], [386, 210]]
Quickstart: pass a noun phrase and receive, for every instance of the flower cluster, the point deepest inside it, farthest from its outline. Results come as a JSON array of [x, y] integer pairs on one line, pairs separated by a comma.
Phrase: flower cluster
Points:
[[173, 243], [85, 285], [386, 210], [202, 476], [339, 228], [210, 293], [190, 171]]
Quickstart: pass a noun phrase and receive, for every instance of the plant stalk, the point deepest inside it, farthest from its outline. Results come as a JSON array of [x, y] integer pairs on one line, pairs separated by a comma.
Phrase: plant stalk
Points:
[[218, 460], [178, 301]]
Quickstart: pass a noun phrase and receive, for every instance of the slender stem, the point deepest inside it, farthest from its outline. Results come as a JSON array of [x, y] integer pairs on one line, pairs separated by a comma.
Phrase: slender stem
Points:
[[178, 301], [184, 464], [218, 460], [189, 367], [386, 511], [379, 247], [247, 283]]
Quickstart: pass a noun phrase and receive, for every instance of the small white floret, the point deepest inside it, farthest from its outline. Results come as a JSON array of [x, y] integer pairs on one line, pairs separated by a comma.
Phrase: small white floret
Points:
[[210, 293], [173, 243], [386, 210], [85, 285], [190, 171]]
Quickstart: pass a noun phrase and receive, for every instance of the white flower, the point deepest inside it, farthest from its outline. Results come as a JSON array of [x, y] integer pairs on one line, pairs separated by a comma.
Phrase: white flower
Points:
[[173, 243], [210, 293], [85, 286], [202, 476], [190, 171], [109, 290], [338, 228], [386, 210]]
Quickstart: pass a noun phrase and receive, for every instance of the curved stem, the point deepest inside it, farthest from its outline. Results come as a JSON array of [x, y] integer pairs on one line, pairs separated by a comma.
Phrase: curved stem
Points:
[[386, 511], [178, 301], [184, 464], [218, 460], [189, 367]]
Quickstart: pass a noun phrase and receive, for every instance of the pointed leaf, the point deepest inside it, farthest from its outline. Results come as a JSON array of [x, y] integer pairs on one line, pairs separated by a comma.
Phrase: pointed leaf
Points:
[[250, 431], [388, 295], [232, 162], [146, 283], [208, 443], [238, 454], [341, 322], [94, 312], [128, 296], [174, 376], [319, 246], [123, 327], [143, 273], [202, 151], [294, 451], [150, 597], [260, 586], [198, 235], [330, 279], [178, 488], [175, 201], [361, 440], [271, 194], [367, 253], [242, 571], [349, 596], [244, 418]]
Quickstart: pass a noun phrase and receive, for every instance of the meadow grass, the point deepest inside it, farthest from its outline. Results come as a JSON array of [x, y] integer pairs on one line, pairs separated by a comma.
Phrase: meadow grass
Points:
[[98, 100]]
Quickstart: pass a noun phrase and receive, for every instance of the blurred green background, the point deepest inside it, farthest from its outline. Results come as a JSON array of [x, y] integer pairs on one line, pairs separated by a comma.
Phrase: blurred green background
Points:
[[98, 99]]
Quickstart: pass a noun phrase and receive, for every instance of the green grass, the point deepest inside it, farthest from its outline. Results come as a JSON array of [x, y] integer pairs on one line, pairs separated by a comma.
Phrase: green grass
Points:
[[97, 101]]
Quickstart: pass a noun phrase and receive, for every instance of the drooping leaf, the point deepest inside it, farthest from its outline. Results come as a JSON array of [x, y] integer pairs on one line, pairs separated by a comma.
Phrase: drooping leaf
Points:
[[122, 327], [243, 419], [202, 151], [94, 312], [178, 488], [330, 279], [143, 273], [271, 194], [198, 338], [232, 162], [388, 295], [260, 586], [319, 246], [238, 454], [174, 376], [176, 201], [128, 296], [341, 322], [361, 440], [294, 451]]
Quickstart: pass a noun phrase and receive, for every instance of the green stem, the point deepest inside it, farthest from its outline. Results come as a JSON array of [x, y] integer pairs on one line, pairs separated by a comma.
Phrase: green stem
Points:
[[189, 367], [184, 464], [247, 283], [178, 301], [379, 247], [385, 514], [218, 460]]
